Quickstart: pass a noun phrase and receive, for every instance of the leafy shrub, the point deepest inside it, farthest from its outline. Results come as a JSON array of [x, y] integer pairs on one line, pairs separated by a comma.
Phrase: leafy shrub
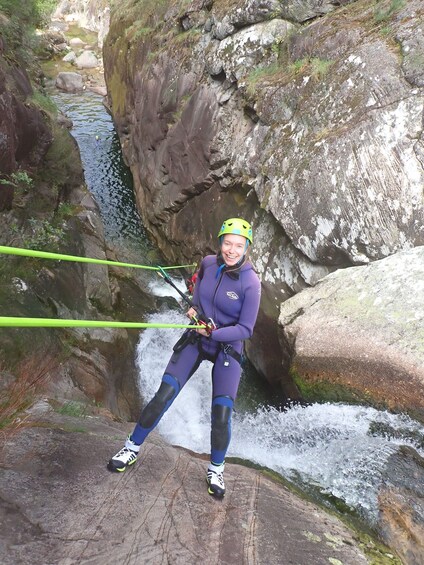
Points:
[[33, 13], [45, 236], [20, 178]]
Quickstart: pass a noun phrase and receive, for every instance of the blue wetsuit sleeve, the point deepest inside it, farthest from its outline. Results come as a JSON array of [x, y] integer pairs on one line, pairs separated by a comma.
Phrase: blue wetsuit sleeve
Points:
[[243, 328]]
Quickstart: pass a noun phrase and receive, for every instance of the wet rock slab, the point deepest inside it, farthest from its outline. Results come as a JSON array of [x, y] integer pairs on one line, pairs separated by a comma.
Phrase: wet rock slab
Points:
[[60, 505]]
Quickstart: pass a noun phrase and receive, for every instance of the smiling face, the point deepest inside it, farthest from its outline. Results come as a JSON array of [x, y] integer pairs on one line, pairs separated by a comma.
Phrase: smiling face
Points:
[[233, 248]]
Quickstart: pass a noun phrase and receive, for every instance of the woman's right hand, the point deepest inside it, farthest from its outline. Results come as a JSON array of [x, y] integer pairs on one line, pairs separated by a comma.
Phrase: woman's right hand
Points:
[[191, 313]]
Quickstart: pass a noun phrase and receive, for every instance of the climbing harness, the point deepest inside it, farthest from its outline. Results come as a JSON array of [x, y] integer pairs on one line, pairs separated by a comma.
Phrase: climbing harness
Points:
[[229, 351], [190, 337]]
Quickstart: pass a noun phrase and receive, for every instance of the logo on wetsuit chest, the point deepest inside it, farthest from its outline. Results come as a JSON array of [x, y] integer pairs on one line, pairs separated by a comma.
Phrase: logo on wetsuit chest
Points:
[[232, 295]]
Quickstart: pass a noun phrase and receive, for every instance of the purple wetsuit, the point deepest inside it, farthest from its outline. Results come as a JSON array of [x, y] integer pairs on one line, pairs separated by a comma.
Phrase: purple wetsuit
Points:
[[231, 298]]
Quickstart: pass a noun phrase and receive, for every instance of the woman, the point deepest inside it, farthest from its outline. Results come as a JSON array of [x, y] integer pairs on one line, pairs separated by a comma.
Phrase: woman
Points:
[[226, 296]]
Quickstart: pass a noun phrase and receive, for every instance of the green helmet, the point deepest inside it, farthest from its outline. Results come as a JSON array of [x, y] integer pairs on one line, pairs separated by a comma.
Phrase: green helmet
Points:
[[237, 226]]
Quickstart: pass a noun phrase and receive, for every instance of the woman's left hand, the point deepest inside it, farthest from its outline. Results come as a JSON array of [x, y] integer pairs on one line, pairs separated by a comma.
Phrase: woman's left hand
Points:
[[203, 332]]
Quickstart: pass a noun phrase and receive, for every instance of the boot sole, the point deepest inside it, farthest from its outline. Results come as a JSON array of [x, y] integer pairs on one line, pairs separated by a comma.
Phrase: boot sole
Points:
[[119, 469], [213, 493]]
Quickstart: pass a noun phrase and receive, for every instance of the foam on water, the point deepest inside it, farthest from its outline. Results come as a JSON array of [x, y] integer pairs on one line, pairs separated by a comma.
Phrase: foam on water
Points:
[[332, 446], [159, 287]]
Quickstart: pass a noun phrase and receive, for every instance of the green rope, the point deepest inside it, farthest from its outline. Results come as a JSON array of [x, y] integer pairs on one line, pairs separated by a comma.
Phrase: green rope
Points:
[[17, 322], [59, 257]]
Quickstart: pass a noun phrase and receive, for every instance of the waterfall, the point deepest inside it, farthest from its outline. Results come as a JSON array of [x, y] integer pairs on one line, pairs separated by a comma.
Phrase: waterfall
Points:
[[338, 449]]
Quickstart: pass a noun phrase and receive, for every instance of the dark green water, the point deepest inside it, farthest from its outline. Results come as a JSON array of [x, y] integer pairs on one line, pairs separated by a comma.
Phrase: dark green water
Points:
[[106, 174]]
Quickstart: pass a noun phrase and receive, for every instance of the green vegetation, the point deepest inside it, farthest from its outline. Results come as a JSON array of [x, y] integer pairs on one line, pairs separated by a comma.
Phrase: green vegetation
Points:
[[145, 14], [61, 161], [21, 182], [18, 24], [138, 31], [44, 236], [66, 210], [43, 103], [385, 9], [261, 73], [20, 178], [26, 382], [33, 13], [190, 36], [317, 68], [72, 408], [87, 36], [325, 391]]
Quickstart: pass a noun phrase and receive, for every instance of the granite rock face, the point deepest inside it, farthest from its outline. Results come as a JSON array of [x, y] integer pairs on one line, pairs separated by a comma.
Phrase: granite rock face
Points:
[[157, 510], [44, 204], [401, 503], [24, 135], [305, 118], [363, 328]]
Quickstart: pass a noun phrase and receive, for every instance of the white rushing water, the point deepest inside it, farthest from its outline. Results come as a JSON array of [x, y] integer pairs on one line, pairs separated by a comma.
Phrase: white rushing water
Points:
[[329, 446]]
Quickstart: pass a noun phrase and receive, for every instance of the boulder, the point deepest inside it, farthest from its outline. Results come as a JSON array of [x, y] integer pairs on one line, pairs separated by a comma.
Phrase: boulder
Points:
[[230, 18], [69, 81], [401, 502], [52, 41], [76, 42], [69, 57], [247, 48], [64, 121], [87, 60], [362, 330], [101, 90]]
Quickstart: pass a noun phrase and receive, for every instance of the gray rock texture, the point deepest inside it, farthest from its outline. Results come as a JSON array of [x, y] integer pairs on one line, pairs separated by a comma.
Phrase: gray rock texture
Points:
[[88, 14], [60, 505], [87, 60], [24, 135], [69, 81], [304, 117], [44, 204], [363, 327], [402, 506], [70, 57]]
